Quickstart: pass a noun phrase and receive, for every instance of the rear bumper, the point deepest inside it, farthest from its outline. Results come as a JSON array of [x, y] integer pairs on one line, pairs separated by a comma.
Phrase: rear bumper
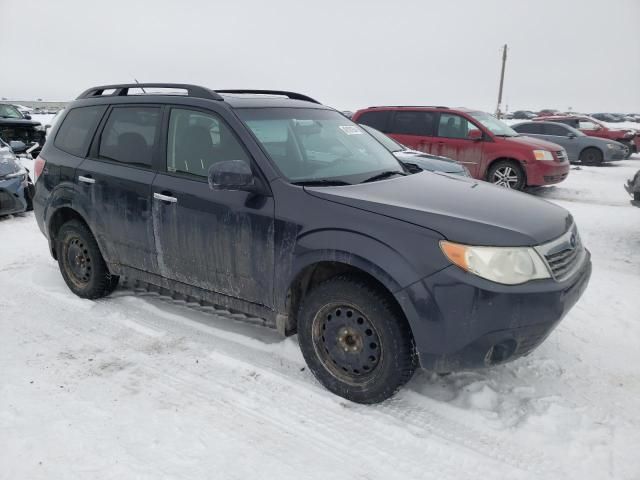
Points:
[[462, 321], [546, 173]]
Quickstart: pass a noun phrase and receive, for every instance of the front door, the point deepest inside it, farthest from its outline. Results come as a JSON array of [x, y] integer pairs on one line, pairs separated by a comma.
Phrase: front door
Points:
[[560, 135], [220, 241], [455, 141]]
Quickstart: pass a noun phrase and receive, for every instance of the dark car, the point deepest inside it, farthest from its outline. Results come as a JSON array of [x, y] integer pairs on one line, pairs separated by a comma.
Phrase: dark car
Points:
[[524, 115], [14, 126], [15, 187], [274, 205], [416, 161], [579, 147]]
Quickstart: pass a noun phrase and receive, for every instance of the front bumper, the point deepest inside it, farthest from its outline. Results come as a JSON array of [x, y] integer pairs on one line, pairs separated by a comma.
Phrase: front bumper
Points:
[[462, 321], [14, 196], [615, 154], [540, 172]]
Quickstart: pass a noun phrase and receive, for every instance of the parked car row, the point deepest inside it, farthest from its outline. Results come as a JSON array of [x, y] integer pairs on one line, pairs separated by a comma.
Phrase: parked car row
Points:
[[604, 117], [272, 204]]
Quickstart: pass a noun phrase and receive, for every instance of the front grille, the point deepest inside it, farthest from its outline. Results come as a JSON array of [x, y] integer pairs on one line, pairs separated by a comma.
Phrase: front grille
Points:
[[562, 262], [561, 155], [563, 255]]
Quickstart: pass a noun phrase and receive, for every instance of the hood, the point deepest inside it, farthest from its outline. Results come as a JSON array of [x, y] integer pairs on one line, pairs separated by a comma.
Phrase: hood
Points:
[[20, 122], [8, 163], [461, 209], [533, 143], [429, 162]]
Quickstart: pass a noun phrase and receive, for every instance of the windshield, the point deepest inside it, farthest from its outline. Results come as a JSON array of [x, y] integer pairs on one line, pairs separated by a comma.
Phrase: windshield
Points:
[[494, 125], [318, 145], [9, 111], [388, 142]]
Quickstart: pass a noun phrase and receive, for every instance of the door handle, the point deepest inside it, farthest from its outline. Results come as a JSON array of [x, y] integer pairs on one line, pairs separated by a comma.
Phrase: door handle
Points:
[[86, 179], [165, 198]]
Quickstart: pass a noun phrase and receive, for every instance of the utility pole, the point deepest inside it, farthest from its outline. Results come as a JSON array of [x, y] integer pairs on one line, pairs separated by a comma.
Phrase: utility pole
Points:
[[504, 62]]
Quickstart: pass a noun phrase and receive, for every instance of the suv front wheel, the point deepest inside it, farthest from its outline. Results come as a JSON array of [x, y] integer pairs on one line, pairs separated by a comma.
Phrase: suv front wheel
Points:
[[507, 174], [81, 263], [355, 341]]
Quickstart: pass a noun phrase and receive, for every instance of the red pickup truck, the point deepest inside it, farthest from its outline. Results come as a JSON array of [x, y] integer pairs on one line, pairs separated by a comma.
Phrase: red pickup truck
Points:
[[595, 128]]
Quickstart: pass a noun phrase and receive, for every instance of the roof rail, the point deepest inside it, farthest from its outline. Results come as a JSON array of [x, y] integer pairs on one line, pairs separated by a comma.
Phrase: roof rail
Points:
[[291, 95], [121, 90], [408, 106]]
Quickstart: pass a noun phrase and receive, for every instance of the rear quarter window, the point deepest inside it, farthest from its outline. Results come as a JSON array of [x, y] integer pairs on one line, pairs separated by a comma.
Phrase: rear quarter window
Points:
[[77, 129], [378, 120]]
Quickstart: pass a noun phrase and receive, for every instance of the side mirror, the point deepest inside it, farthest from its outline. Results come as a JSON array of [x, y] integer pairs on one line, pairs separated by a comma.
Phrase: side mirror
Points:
[[231, 175], [27, 116], [571, 135], [475, 135], [17, 146]]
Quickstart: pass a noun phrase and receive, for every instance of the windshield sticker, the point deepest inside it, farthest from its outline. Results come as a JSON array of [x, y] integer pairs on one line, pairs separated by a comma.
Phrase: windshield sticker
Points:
[[350, 129]]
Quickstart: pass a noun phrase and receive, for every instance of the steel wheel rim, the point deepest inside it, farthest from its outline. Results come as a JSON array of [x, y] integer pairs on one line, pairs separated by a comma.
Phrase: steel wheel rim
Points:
[[347, 343], [506, 177], [79, 266]]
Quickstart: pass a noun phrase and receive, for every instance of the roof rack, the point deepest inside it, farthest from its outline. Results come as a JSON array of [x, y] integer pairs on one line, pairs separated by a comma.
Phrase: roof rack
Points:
[[291, 95], [122, 90]]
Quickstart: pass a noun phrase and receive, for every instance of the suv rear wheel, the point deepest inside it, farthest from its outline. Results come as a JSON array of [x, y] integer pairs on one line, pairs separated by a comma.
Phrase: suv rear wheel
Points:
[[355, 341], [81, 263], [507, 174]]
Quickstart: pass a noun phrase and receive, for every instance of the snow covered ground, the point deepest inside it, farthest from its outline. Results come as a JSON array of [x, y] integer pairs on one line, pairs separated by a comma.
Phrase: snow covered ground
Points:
[[138, 386]]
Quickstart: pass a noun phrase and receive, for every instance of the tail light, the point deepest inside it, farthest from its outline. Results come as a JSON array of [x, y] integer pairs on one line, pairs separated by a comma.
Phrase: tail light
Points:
[[38, 167]]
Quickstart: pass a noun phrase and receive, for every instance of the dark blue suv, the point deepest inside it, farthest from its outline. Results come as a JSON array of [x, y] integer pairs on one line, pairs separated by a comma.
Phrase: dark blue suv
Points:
[[271, 204]]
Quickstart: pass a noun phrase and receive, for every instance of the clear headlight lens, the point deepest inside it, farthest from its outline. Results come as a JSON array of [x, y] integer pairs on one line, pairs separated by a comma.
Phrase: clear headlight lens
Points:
[[543, 155], [506, 265], [612, 146], [20, 173]]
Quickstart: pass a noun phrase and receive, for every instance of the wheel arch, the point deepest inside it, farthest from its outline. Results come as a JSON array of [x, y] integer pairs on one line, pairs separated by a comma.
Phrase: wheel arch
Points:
[[318, 269]]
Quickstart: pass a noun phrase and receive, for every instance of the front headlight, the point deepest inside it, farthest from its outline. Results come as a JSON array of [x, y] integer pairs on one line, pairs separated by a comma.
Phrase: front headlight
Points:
[[612, 146], [506, 265], [39, 128], [20, 173], [543, 155]]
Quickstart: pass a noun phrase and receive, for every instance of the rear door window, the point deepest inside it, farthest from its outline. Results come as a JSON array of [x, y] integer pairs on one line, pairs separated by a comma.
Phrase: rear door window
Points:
[[376, 119], [556, 130], [407, 122], [77, 129], [130, 135], [533, 128]]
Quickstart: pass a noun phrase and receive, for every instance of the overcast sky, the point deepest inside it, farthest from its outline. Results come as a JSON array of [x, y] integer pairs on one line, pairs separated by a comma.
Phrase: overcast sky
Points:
[[583, 54]]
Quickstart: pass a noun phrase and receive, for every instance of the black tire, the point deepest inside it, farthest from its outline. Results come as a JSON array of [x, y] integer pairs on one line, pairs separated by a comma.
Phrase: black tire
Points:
[[591, 156], [81, 264], [507, 174], [368, 352]]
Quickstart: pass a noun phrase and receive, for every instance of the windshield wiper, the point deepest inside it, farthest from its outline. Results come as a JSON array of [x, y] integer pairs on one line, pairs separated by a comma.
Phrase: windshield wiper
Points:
[[321, 183], [383, 175]]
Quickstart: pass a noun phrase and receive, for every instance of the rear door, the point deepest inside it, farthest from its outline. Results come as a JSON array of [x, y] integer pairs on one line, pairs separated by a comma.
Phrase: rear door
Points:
[[453, 141], [217, 240], [116, 181], [414, 128]]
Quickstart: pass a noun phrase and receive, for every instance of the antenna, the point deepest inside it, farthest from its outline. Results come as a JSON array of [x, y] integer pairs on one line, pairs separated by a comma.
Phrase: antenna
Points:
[[143, 91]]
